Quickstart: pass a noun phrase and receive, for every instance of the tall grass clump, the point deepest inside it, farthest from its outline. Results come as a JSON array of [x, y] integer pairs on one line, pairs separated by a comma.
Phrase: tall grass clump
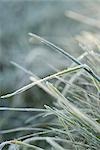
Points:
[[73, 121]]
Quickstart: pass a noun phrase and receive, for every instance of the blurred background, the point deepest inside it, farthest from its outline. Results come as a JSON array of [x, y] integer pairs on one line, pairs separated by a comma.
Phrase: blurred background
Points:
[[66, 23]]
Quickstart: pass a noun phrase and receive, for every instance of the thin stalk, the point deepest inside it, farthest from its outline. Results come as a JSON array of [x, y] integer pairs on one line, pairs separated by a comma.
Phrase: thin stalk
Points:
[[87, 68], [44, 79]]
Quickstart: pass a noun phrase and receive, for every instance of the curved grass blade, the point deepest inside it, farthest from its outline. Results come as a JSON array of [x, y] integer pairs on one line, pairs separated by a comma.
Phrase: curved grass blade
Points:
[[87, 68], [44, 79]]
